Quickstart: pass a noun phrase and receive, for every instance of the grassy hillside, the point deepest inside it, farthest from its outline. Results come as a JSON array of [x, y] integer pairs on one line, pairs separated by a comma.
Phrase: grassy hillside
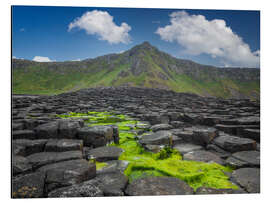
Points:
[[143, 66]]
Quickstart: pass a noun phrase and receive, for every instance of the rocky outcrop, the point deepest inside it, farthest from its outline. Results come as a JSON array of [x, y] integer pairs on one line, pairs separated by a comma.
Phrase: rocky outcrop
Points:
[[55, 156]]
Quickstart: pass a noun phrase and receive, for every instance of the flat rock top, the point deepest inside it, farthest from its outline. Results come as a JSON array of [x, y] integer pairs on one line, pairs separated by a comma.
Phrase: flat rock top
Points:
[[112, 182], [105, 153], [187, 147], [99, 129], [162, 126], [43, 158], [206, 191], [234, 144], [248, 178], [77, 164], [252, 157], [203, 156], [159, 137], [158, 186]]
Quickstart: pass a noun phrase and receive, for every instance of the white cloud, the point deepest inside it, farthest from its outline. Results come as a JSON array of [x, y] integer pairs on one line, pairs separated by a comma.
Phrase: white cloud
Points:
[[199, 35], [101, 24], [14, 57], [42, 59], [76, 60], [122, 51]]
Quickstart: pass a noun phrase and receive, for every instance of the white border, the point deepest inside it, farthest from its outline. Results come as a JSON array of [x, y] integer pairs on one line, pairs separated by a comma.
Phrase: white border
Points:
[[5, 40]]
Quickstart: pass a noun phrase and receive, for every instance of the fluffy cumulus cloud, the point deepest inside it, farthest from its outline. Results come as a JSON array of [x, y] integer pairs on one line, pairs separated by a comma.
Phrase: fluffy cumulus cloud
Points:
[[42, 59], [101, 23], [199, 35]]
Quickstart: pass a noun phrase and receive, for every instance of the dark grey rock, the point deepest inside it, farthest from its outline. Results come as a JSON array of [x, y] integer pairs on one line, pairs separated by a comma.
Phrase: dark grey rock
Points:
[[96, 136], [67, 173], [18, 150], [184, 148], [249, 120], [105, 153], [204, 135], [47, 130], [176, 140], [28, 186], [218, 150], [235, 144], [207, 191], [20, 165], [68, 128], [252, 158], [29, 146], [248, 178], [63, 145], [112, 184], [158, 186], [235, 129], [159, 127], [253, 134], [17, 126], [85, 189], [157, 138], [203, 156], [23, 134], [177, 124], [40, 159], [153, 148], [185, 135], [236, 163], [157, 119], [115, 134]]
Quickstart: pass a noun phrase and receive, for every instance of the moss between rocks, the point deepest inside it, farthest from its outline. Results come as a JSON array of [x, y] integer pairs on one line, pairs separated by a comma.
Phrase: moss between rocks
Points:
[[100, 165], [167, 162]]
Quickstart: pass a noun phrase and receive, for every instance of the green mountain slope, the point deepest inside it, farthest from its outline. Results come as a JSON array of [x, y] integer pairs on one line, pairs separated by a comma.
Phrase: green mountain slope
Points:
[[142, 66]]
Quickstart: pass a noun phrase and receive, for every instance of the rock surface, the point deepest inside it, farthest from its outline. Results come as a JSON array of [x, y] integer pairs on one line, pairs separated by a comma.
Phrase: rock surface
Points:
[[67, 173], [43, 158], [158, 186], [248, 178], [96, 136], [50, 150], [104, 153], [28, 186], [203, 156]]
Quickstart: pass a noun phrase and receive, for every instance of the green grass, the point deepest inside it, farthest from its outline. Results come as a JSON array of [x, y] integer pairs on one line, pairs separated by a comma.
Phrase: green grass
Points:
[[167, 162], [39, 79]]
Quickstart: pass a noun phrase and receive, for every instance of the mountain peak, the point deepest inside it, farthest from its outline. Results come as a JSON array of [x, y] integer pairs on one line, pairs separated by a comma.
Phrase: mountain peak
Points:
[[146, 43], [145, 46]]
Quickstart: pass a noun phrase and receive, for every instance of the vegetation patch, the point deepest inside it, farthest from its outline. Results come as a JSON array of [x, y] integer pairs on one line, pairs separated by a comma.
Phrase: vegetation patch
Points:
[[100, 165], [168, 162]]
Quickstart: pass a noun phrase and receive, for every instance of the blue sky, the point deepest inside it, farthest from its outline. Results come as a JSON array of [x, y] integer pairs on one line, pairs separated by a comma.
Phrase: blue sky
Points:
[[214, 37]]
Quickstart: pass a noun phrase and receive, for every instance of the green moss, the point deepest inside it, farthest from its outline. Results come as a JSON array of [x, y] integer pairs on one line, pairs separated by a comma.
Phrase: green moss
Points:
[[168, 162], [100, 165]]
